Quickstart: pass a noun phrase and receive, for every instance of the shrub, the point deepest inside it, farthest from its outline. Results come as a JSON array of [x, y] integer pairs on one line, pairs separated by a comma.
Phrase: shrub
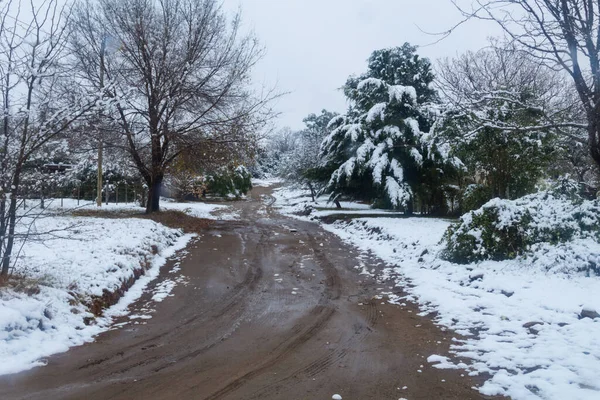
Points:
[[474, 197], [506, 229], [229, 182]]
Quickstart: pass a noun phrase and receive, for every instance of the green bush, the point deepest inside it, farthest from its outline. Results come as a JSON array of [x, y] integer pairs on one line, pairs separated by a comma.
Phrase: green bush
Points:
[[474, 197], [229, 182], [505, 229]]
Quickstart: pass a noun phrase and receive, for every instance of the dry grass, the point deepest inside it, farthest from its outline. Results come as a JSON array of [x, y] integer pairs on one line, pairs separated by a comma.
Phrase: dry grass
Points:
[[22, 284], [171, 219], [179, 220]]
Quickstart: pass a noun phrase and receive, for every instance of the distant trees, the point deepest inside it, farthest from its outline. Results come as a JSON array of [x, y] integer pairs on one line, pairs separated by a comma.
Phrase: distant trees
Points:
[[303, 164], [386, 147]]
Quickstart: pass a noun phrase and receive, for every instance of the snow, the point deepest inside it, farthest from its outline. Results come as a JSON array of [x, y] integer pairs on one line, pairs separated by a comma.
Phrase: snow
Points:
[[370, 83], [494, 307], [266, 182], [193, 209], [294, 200], [43, 312], [377, 112], [398, 91]]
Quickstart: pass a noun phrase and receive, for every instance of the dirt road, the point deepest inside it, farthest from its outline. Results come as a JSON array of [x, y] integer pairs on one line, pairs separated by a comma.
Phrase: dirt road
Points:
[[273, 309]]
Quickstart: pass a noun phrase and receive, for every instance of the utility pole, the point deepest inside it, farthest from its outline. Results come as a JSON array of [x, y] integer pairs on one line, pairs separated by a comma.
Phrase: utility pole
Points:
[[100, 142]]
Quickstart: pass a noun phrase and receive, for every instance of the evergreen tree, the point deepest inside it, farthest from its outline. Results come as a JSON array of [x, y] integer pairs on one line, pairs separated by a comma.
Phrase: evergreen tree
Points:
[[384, 149]]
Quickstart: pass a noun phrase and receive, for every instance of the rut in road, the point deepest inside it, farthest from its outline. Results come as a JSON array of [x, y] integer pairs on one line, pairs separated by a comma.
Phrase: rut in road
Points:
[[321, 313]]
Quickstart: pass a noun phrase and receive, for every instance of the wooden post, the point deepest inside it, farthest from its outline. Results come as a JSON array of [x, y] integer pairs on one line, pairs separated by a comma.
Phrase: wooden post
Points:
[[99, 176]]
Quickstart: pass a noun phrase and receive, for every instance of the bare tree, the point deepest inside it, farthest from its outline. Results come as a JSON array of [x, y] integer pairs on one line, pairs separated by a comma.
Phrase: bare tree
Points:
[[504, 74], [564, 35], [180, 78], [31, 73]]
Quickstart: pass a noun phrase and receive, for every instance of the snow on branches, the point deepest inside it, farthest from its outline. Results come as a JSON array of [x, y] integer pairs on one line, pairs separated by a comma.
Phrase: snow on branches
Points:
[[386, 141]]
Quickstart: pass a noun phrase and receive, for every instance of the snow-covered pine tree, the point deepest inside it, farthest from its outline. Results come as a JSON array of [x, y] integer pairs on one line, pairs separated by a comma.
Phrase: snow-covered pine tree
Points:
[[384, 148]]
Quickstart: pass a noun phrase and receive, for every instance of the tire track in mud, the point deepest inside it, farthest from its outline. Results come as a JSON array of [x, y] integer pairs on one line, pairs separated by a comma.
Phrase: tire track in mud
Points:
[[321, 364], [237, 307], [234, 303], [334, 356], [301, 333]]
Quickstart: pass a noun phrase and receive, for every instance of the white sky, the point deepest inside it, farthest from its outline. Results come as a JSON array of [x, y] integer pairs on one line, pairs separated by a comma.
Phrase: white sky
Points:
[[314, 45]]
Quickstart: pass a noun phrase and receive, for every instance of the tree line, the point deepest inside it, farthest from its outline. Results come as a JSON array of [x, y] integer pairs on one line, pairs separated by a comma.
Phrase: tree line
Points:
[[444, 139]]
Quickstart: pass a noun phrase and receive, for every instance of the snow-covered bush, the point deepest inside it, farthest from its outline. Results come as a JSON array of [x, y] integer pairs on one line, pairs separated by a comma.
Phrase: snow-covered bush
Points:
[[547, 224], [475, 196], [228, 182]]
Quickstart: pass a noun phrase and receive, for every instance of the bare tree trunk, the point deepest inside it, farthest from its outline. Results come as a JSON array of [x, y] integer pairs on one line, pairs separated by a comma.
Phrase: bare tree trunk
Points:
[[42, 203], [12, 209], [594, 134], [336, 201], [410, 208], [153, 203], [3, 273], [12, 219], [312, 191]]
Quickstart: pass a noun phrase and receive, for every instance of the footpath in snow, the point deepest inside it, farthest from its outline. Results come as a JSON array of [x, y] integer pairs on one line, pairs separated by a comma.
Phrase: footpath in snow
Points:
[[514, 320], [72, 261]]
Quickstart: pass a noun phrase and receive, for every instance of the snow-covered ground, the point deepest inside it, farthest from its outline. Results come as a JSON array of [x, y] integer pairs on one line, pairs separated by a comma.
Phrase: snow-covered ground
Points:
[[296, 200], [267, 182], [44, 310], [194, 209], [518, 322]]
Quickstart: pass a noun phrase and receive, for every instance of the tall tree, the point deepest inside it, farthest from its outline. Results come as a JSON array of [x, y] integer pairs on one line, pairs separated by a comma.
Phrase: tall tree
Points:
[[385, 148], [180, 78], [563, 34]]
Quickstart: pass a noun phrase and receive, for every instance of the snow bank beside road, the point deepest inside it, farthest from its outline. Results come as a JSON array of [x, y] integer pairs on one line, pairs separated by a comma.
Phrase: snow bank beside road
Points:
[[521, 323], [45, 312]]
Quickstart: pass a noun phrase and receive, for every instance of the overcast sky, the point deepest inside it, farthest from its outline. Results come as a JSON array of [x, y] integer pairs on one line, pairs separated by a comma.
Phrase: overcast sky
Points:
[[314, 45]]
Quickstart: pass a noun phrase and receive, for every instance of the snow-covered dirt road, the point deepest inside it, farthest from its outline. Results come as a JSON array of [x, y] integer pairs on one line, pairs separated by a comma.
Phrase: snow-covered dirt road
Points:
[[266, 307]]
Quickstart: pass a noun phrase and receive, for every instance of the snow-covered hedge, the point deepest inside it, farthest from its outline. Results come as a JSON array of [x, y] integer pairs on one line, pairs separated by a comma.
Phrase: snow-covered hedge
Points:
[[229, 182], [475, 196], [551, 226]]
